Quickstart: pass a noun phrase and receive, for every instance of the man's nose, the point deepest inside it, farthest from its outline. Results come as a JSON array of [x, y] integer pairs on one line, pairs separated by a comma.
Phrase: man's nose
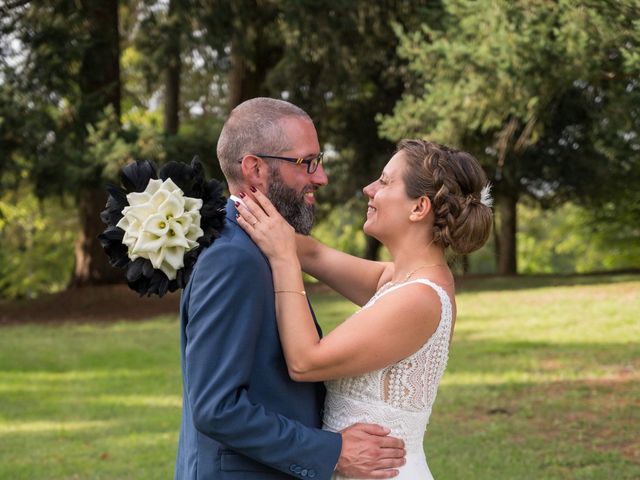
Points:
[[319, 177]]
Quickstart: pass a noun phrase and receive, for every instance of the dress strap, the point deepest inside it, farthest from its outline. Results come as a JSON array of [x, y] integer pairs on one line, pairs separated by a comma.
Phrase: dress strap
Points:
[[442, 294], [446, 308]]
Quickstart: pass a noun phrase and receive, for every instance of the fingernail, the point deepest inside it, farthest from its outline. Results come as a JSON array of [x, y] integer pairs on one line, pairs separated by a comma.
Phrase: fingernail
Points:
[[242, 194], [237, 215], [254, 189], [237, 204]]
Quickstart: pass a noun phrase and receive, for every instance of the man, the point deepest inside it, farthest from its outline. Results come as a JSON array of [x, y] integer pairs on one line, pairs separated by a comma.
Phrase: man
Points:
[[243, 417]]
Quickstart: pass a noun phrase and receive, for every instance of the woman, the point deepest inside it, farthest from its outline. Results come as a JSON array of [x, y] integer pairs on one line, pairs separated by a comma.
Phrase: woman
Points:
[[384, 363]]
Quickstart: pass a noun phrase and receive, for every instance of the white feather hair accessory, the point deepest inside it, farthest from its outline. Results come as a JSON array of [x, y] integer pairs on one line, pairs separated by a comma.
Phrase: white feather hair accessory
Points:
[[485, 196]]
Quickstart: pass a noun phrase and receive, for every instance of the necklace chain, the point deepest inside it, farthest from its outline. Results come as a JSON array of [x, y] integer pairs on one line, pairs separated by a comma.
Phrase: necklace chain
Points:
[[416, 269]]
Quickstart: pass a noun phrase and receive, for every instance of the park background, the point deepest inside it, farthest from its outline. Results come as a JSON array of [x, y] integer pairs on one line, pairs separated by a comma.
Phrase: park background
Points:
[[543, 377]]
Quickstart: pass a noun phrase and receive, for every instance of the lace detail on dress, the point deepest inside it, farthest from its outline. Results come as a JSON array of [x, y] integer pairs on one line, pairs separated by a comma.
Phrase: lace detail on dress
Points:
[[399, 396], [412, 383]]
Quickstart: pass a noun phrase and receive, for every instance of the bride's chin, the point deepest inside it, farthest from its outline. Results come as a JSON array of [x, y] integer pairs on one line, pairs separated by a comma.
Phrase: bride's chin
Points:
[[366, 229]]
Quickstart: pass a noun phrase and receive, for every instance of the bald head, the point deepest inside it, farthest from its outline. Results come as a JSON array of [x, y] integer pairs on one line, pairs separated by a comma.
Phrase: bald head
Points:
[[254, 126]]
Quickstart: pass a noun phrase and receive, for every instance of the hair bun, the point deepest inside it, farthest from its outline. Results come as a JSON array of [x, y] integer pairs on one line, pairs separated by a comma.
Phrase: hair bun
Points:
[[459, 191]]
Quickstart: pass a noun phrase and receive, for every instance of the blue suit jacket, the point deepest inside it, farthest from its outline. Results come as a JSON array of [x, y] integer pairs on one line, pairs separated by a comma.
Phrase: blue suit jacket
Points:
[[242, 416]]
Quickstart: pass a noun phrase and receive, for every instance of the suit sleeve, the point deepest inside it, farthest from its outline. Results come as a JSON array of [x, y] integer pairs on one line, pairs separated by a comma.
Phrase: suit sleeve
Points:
[[226, 307]]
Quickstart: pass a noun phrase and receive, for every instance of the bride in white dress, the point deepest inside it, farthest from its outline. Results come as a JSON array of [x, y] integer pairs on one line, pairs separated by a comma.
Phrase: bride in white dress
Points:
[[383, 364]]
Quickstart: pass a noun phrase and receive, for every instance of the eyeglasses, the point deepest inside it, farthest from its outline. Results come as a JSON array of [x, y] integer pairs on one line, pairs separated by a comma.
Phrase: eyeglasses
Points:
[[311, 162]]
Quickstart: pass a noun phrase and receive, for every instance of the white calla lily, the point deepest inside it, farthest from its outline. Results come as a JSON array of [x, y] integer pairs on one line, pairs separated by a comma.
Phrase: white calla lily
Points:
[[161, 224]]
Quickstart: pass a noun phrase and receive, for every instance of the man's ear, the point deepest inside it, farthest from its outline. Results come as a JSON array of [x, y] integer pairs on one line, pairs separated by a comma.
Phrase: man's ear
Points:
[[255, 171], [421, 208]]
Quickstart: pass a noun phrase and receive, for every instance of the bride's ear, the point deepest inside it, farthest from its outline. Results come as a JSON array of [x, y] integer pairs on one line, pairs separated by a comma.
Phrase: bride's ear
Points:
[[421, 209]]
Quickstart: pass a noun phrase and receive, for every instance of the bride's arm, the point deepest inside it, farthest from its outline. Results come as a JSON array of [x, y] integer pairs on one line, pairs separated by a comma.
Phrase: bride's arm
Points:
[[397, 325], [354, 278], [390, 330]]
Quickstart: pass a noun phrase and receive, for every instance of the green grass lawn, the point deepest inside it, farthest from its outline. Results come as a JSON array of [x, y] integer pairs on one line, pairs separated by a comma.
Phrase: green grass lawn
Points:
[[542, 383]]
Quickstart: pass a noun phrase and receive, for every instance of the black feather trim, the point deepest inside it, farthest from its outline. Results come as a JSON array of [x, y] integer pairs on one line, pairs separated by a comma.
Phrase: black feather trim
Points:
[[140, 274]]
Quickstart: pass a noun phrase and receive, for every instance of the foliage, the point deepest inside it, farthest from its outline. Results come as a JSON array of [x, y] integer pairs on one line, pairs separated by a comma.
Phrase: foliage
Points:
[[568, 239], [201, 32], [507, 78], [545, 94], [36, 244], [341, 228], [483, 261], [540, 380], [63, 150], [45, 46], [340, 64]]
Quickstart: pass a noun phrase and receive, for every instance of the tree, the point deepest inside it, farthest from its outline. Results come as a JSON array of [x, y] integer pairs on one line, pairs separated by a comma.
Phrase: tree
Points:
[[161, 35], [68, 88], [534, 89], [340, 64], [63, 66], [99, 83], [335, 59]]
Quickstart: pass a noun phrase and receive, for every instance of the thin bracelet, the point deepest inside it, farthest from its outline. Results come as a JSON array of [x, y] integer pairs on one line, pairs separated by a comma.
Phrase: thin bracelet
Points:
[[299, 292]]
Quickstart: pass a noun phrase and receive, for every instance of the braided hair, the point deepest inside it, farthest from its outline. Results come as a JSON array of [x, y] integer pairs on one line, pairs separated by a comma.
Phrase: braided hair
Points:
[[453, 180]]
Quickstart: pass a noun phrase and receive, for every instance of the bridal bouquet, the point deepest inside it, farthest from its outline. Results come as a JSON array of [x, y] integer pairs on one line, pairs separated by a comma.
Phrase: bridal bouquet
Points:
[[158, 224]]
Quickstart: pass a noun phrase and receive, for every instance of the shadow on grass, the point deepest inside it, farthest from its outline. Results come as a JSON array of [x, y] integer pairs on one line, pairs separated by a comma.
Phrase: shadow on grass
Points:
[[556, 429], [481, 283], [497, 358], [505, 410], [78, 423]]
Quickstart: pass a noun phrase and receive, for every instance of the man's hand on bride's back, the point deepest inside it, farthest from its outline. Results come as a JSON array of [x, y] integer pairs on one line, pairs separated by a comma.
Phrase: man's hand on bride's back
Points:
[[369, 452], [266, 227]]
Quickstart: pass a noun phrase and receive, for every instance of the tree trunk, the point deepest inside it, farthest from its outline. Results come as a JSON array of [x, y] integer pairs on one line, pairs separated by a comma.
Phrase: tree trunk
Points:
[[252, 57], [506, 234], [236, 77], [100, 69], [464, 262], [172, 96], [245, 82], [174, 65], [100, 87], [92, 264], [372, 249]]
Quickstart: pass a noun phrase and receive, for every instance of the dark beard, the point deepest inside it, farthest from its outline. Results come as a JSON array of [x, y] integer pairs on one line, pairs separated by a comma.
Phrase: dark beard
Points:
[[290, 204]]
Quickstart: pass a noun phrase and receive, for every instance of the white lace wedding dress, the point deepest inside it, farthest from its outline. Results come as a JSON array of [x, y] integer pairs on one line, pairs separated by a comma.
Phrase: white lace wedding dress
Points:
[[399, 396]]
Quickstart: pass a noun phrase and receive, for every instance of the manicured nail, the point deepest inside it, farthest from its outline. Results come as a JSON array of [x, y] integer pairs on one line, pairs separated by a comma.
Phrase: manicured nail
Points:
[[242, 194], [237, 204], [254, 189]]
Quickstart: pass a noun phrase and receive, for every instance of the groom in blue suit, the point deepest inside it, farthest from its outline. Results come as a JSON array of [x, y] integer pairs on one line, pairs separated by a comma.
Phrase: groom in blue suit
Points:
[[243, 417]]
